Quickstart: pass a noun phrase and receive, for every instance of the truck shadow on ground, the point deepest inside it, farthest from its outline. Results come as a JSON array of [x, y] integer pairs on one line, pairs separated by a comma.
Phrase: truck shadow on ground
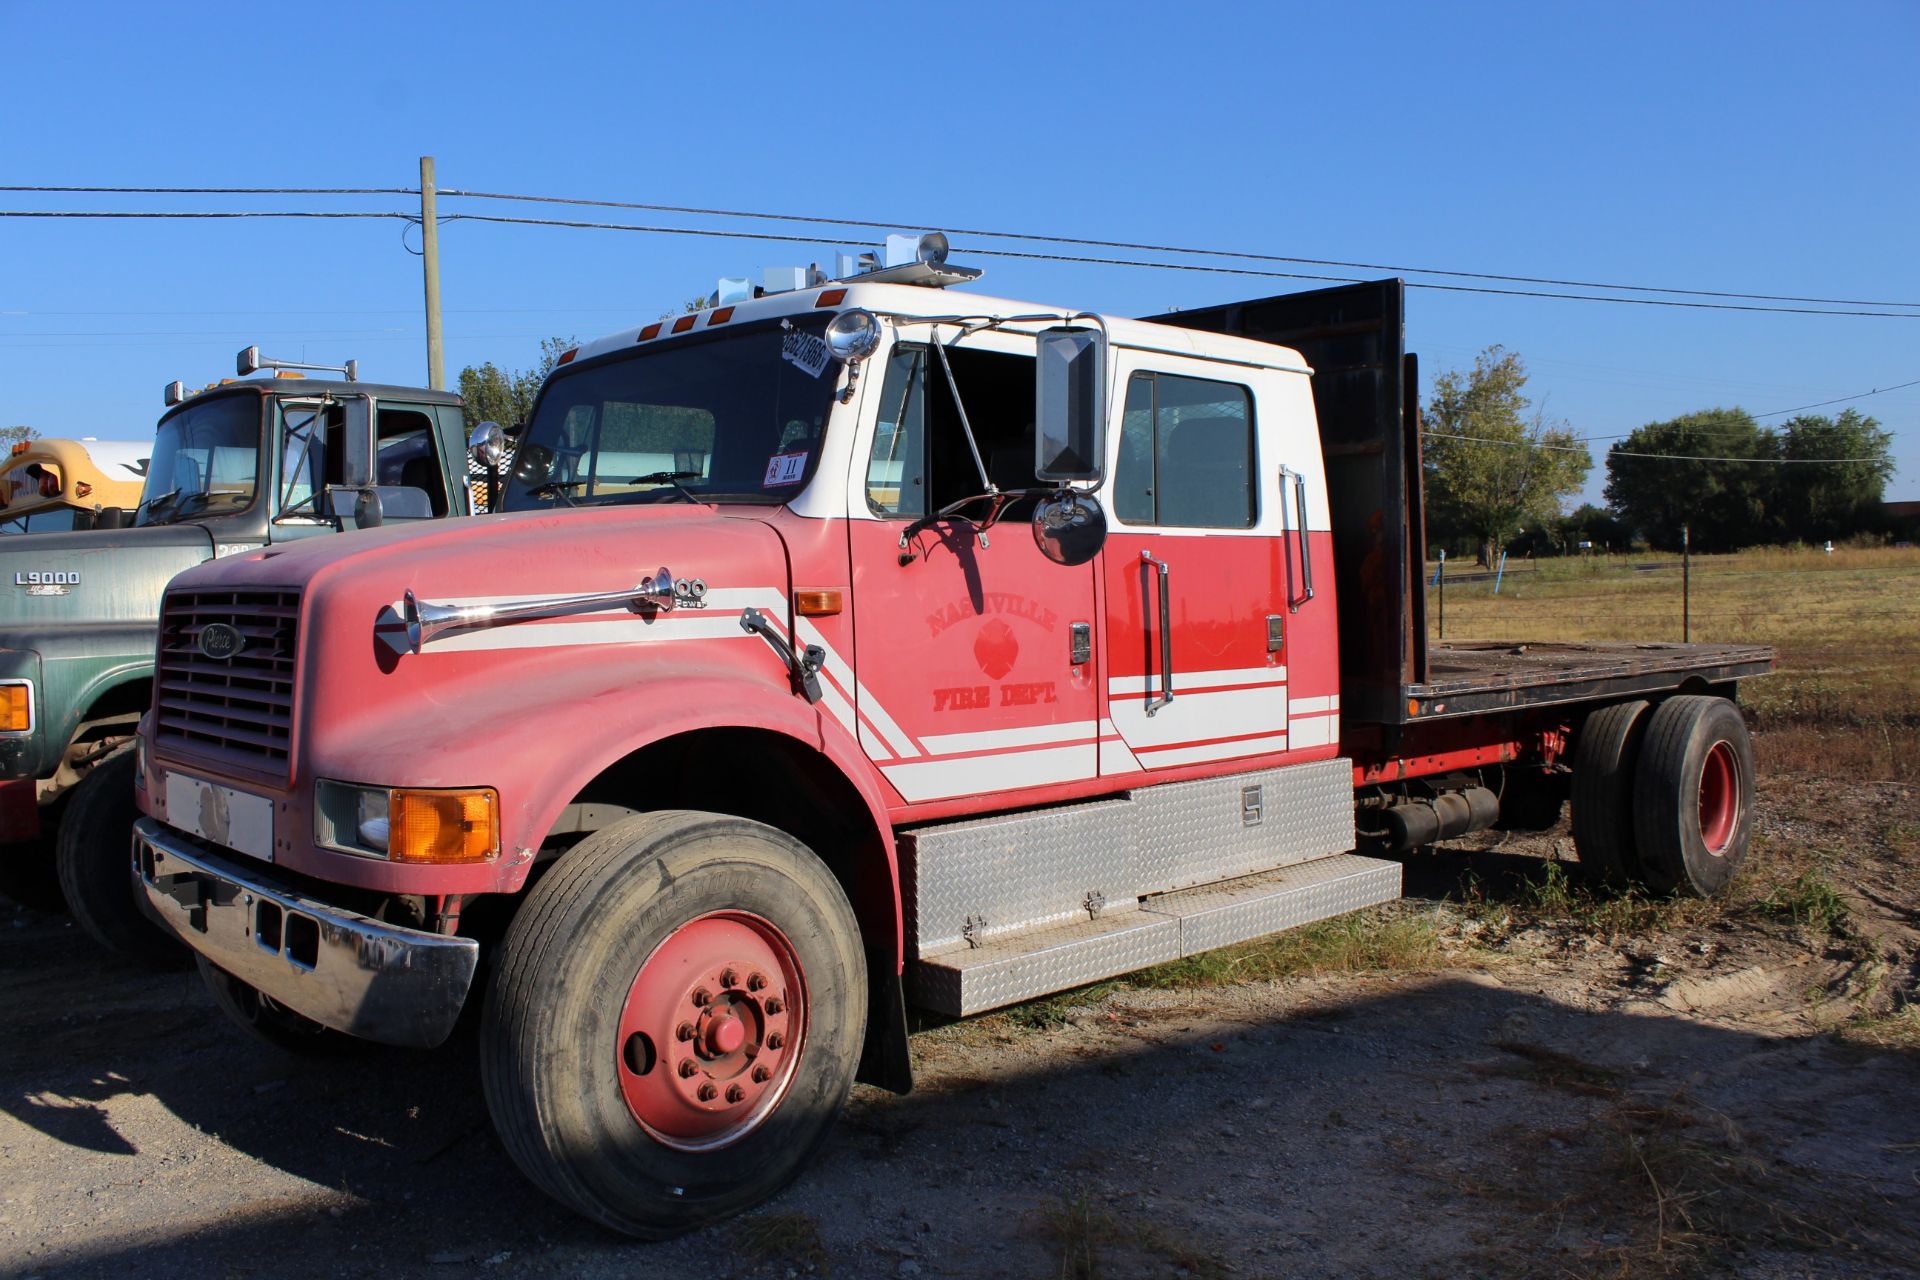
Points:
[[1376, 1127]]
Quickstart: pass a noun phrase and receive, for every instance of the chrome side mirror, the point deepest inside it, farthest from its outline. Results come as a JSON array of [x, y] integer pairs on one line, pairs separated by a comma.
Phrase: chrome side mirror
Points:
[[488, 445], [1069, 527], [1070, 406]]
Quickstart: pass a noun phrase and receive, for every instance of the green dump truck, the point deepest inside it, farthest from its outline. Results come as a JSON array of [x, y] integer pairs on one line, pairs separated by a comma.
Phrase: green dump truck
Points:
[[239, 465]]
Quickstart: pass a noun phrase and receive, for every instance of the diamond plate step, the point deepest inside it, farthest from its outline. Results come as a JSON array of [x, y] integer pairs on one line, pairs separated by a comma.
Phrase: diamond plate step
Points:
[[1165, 927]]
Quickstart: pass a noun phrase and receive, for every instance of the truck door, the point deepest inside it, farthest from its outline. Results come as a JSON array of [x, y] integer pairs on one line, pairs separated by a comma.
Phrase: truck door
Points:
[[975, 656], [1215, 649]]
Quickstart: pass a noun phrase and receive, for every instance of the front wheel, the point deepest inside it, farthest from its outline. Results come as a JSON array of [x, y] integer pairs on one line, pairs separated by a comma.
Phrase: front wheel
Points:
[[94, 853], [266, 1019], [675, 1021]]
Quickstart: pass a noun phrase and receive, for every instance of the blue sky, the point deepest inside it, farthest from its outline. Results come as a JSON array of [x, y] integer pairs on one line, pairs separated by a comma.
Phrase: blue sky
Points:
[[1763, 148]]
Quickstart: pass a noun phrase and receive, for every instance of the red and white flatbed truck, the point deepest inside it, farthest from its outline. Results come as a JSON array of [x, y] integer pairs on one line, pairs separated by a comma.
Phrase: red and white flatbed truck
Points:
[[857, 645]]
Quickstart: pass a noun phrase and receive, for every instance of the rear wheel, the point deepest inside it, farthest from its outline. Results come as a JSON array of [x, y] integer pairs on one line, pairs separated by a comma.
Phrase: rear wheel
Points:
[[1693, 795], [93, 851], [1603, 794], [675, 1022]]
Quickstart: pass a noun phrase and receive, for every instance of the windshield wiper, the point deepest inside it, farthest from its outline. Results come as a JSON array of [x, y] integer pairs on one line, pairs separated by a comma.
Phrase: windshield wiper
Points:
[[556, 489], [669, 477], [152, 505]]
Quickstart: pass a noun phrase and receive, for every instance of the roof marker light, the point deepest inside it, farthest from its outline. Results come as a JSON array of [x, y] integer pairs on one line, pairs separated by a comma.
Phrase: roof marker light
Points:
[[684, 323], [649, 333], [831, 298], [721, 316], [567, 355]]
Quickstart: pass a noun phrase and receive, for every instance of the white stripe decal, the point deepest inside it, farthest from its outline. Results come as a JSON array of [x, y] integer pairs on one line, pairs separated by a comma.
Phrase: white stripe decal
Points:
[[940, 779], [1143, 685], [1313, 731], [1197, 717], [1308, 706], [1032, 735], [1216, 751]]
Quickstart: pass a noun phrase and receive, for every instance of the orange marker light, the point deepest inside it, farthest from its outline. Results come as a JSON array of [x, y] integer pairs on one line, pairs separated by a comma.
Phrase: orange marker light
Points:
[[20, 447], [816, 604], [567, 355], [721, 316], [16, 708], [831, 298], [683, 324], [443, 826], [650, 332]]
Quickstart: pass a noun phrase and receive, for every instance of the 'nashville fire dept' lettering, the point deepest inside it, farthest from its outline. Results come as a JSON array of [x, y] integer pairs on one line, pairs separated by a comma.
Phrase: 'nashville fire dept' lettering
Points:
[[995, 602]]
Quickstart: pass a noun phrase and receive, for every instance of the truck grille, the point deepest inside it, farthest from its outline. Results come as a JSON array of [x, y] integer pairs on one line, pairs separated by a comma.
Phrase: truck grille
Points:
[[242, 704]]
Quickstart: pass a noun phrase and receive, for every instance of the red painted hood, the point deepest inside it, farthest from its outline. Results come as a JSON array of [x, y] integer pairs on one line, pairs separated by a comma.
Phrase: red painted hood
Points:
[[494, 707]]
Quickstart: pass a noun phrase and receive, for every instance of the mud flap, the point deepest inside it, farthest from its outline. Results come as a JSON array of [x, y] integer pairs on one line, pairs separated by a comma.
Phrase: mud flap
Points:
[[885, 1062]]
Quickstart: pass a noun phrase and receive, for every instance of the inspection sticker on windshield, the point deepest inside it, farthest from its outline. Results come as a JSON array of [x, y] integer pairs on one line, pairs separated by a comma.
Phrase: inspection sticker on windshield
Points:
[[807, 351], [784, 468]]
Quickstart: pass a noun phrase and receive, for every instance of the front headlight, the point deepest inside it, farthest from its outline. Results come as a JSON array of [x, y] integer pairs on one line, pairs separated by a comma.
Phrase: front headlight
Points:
[[408, 824]]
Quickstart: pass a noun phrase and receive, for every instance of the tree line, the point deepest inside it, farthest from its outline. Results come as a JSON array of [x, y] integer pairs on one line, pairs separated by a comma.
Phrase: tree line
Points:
[[1498, 472]]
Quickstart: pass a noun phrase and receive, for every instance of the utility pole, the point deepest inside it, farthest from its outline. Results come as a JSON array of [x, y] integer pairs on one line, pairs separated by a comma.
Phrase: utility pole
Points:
[[430, 265]]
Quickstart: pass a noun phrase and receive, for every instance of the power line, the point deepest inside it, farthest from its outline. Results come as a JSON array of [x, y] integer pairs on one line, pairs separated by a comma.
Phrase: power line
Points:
[[1877, 391], [1072, 258], [1158, 248]]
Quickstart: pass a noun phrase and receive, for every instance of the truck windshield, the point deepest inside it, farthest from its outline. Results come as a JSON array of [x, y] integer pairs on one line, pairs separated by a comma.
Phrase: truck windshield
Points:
[[738, 416], [205, 457]]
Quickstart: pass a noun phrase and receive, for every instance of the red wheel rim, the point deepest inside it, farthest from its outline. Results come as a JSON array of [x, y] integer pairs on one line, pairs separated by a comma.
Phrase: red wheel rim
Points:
[[711, 1031], [1719, 799]]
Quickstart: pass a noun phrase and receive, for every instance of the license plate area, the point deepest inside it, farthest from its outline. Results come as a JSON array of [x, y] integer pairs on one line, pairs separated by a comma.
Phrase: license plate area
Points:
[[232, 819]]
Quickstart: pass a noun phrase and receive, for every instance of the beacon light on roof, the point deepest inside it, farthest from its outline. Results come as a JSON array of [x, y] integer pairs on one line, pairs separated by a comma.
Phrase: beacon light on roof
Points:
[[911, 259]]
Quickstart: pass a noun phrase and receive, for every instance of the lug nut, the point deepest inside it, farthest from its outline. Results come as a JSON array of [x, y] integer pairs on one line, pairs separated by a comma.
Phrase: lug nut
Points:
[[702, 997], [750, 1049], [684, 1031], [687, 1068], [757, 982], [708, 1093], [728, 978], [774, 1005], [761, 1075], [776, 1041], [735, 1093]]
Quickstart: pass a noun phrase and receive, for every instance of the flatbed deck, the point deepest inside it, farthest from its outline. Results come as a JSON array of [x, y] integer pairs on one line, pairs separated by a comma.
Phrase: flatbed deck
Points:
[[1480, 676]]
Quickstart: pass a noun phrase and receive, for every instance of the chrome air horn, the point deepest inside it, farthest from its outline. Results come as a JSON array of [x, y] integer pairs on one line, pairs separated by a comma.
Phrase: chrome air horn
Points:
[[426, 620]]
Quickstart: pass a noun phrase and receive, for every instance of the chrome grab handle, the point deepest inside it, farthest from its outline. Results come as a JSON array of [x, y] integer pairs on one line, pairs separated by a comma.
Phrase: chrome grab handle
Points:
[[1166, 635], [1300, 523]]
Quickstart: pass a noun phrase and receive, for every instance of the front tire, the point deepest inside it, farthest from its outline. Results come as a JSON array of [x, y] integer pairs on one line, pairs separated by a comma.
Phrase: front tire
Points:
[[675, 1022], [93, 854], [1693, 796], [267, 1020]]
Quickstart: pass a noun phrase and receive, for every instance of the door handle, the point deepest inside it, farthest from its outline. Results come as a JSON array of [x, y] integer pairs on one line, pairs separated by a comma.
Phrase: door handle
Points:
[[1300, 521], [1166, 635]]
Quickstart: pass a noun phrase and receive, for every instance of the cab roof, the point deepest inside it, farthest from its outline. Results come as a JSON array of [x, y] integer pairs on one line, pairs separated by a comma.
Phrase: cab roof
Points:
[[925, 303], [301, 388]]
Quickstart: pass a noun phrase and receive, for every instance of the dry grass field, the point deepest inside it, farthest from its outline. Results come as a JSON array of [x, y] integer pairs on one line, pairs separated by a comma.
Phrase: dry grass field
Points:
[[1846, 699]]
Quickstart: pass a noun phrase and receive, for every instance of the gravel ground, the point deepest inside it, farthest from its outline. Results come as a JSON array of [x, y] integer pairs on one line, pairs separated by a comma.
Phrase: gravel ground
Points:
[[1542, 1101]]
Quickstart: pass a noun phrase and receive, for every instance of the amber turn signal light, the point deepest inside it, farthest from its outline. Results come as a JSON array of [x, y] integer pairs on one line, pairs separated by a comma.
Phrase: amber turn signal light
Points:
[[16, 708], [443, 826], [816, 604]]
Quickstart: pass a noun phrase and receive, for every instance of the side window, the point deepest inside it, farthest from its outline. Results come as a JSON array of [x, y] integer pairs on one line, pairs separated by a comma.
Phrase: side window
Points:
[[896, 470], [921, 461], [1186, 454], [405, 454]]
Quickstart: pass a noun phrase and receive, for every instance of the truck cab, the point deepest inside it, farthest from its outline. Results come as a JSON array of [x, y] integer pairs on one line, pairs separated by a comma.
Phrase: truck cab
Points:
[[842, 646], [238, 466]]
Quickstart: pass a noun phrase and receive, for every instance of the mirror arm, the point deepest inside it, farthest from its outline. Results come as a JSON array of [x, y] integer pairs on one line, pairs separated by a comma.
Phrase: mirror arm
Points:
[[966, 428]]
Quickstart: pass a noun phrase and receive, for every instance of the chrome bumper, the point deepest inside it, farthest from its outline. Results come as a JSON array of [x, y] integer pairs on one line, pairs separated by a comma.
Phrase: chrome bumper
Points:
[[345, 971]]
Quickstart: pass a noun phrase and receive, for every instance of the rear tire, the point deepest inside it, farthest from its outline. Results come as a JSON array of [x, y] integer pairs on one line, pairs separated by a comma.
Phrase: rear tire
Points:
[[94, 854], [268, 1021], [660, 966], [1603, 794], [1693, 796]]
